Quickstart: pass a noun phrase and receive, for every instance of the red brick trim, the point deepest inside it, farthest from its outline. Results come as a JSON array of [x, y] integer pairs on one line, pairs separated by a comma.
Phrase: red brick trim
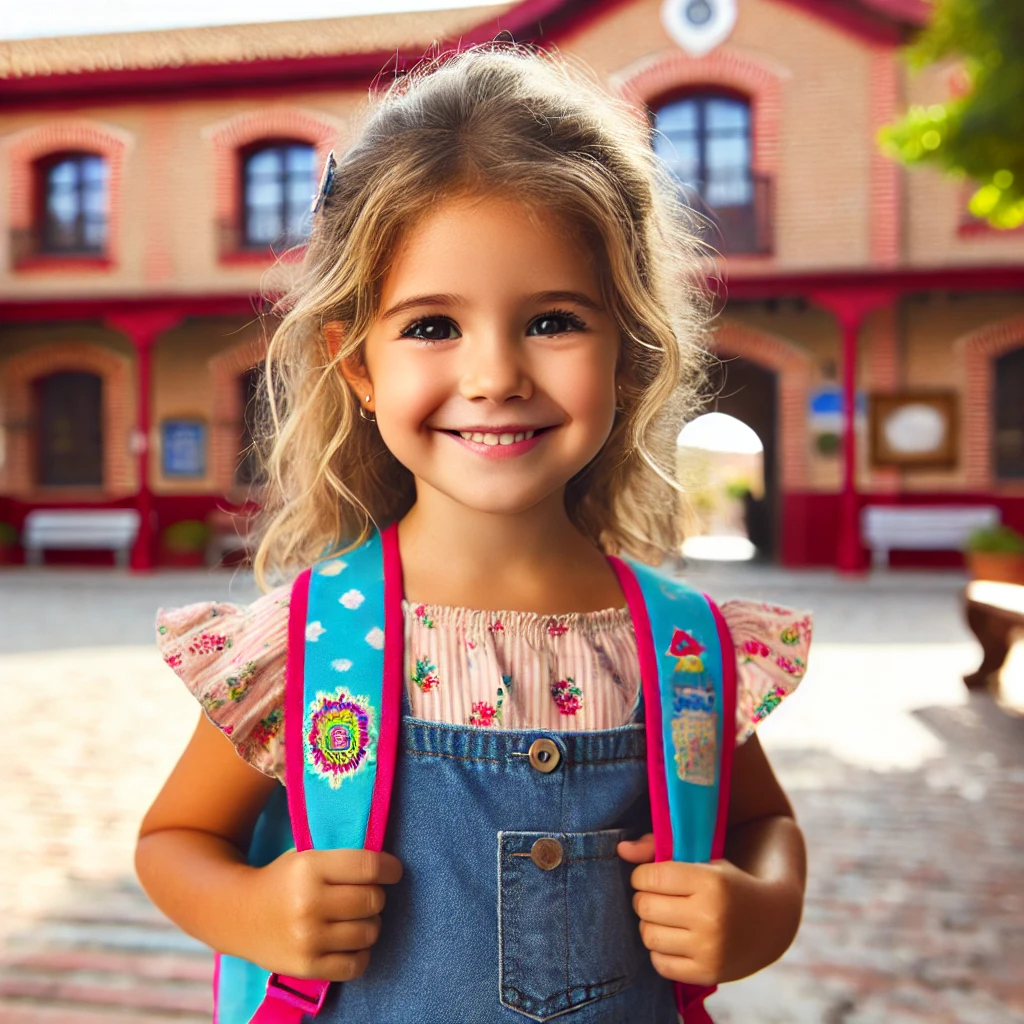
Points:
[[17, 475], [228, 137], [26, 147], [226, 426], [980, 349], [793, 367], [643, 83]]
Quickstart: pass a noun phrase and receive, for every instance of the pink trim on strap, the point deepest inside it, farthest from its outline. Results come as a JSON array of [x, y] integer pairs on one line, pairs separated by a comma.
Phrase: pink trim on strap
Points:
[[657, 782], [728, 729], [391, 692], [293, 712], [216, 988]]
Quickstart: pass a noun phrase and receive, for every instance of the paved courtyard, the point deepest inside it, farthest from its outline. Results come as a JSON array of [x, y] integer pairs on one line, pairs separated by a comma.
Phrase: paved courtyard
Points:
[[911, 794]]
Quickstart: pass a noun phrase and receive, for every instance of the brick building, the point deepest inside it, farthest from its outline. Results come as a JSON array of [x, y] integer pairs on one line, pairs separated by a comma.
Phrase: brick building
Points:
[[145, 177]]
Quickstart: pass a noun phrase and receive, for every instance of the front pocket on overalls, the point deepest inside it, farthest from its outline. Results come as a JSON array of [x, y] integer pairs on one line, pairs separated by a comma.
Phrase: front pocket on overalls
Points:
[[567, 934]]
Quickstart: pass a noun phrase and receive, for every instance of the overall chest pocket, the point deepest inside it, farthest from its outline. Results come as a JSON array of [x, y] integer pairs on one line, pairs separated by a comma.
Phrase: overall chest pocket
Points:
[[567, 934]]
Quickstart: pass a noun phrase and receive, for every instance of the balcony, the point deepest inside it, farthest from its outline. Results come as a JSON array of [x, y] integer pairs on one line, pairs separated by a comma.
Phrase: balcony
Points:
[[738, 209]]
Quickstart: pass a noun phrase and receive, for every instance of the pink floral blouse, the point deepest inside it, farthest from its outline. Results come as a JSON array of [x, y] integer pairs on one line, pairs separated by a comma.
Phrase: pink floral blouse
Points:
[[508, 670]]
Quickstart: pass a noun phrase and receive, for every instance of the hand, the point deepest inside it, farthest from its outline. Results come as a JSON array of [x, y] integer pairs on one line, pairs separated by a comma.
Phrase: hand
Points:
[[700, 921], [321, 911]]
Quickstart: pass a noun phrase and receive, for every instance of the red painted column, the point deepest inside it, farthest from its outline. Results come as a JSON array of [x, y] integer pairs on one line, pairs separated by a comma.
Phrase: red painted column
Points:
[[143, 328], [850, 310]]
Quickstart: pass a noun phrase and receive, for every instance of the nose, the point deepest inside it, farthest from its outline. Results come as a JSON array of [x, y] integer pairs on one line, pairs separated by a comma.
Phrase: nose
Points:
[[495, 368]]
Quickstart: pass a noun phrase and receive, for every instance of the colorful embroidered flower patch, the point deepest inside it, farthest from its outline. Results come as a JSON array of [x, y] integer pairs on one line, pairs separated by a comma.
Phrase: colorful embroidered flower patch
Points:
[[567, 695], [485, 715], [340, 735], [421, 614], [687, 651], [769, 702]]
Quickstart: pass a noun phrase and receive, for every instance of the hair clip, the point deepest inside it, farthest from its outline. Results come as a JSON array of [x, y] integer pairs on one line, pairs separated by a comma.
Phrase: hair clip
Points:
[[326, 181]]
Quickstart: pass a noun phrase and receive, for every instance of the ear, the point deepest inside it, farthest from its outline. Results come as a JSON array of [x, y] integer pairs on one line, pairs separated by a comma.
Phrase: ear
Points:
[[351, 368]]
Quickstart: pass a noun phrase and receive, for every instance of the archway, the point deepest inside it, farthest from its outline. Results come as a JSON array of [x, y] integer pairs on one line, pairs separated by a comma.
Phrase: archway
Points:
[[750, 392]]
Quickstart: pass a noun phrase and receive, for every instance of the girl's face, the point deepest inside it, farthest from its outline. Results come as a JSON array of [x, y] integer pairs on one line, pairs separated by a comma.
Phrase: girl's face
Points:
[[491, 365]]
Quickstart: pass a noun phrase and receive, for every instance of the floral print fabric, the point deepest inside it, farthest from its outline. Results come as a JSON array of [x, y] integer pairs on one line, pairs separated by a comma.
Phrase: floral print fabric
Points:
[[505, 670]]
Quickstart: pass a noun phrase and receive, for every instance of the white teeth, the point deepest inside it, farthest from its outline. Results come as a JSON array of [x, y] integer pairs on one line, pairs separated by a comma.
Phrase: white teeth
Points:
[[494, 439]]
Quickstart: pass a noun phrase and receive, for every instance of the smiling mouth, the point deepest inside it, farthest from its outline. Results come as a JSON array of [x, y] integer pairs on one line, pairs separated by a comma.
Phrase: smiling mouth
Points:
[[496, 439]]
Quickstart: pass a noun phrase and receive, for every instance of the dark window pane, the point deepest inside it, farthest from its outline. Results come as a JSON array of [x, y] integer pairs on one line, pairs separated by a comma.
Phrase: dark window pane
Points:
[[75, 204], [1009, 416], [278, 187], [69, 430]]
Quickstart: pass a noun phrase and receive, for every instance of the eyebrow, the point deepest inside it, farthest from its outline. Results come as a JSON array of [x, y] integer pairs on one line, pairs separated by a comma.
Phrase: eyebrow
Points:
[[448, 299]]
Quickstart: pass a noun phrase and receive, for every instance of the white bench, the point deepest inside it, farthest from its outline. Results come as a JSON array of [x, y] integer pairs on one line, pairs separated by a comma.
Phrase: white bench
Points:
[[77, 529], [921, 527]]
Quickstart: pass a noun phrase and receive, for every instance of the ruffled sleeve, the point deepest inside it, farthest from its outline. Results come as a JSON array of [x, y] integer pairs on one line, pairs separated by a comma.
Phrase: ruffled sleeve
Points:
[[232, 659], [771, 655]]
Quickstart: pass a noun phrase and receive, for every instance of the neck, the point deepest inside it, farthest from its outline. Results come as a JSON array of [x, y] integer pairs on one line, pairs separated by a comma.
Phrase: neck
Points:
[[456, 555]]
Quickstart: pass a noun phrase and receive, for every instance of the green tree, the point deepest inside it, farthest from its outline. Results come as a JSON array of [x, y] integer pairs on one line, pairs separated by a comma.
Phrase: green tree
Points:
[[978, 134]]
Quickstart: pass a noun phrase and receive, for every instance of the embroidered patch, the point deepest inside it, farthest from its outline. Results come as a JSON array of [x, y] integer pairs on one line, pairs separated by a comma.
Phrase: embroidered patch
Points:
[[693, 733], [687, 651], [340, 735]]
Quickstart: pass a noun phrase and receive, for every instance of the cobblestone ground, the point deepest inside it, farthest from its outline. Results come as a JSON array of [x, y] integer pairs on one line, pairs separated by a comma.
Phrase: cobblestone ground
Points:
[[910, 792]]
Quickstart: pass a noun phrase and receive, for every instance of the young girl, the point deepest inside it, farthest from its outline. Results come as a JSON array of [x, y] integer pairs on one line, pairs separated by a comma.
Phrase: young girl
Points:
[[493, 346]]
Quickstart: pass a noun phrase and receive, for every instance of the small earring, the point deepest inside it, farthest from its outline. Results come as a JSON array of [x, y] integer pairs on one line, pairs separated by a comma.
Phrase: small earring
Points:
[[372, 418]]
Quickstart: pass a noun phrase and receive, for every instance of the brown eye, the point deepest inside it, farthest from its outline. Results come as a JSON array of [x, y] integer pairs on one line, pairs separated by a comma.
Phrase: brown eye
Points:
[[555, 322], [432, 328]]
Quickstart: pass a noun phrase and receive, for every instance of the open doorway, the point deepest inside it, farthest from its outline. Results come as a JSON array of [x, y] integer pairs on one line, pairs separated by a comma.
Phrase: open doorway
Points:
[[730, 455]]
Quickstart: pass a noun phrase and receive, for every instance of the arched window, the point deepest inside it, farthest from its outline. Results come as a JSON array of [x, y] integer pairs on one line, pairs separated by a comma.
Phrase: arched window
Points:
[[705, 140], [69, 430], [74, 207], [277, 189], [1009, 415]]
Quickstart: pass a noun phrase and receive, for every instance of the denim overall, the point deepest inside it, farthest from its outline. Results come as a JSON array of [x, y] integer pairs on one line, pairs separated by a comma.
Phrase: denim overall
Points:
[[480, 931]]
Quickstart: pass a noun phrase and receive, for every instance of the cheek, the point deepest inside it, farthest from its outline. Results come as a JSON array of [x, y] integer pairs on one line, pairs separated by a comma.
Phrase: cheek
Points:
[[406, 391]]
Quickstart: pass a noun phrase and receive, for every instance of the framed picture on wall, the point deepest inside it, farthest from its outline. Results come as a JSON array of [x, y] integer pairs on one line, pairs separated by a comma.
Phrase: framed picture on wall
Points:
[[183, 448], [914, 430]]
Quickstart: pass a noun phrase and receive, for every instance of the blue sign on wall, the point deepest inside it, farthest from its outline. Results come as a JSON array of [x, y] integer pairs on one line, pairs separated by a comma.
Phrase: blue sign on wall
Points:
[[184, 448]]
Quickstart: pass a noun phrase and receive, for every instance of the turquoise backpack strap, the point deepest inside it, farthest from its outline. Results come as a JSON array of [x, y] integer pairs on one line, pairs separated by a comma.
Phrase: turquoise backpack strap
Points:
[[688, 674], [343, 702]]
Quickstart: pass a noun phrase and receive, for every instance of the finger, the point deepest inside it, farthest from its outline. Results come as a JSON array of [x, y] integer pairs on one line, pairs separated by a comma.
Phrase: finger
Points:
[[668, 877], [637, 851], [357, 867], [681, 968], [660, 938], [657, 909], [351, 936], [341, 966], [351, 902]]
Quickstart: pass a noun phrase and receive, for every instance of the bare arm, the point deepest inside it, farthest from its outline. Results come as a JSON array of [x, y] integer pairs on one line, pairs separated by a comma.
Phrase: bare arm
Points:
[[309, 915]]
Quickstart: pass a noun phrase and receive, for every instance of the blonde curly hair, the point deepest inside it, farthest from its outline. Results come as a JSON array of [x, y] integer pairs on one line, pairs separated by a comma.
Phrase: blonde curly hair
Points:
[[524, 124]]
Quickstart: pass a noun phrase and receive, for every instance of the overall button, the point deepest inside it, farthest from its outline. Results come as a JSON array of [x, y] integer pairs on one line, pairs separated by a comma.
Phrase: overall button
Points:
[[544, 755], [546, 853]]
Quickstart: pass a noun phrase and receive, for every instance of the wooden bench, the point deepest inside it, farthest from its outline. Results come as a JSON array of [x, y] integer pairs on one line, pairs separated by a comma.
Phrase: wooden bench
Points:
[[77, 529], [921, 527], [995, 613]]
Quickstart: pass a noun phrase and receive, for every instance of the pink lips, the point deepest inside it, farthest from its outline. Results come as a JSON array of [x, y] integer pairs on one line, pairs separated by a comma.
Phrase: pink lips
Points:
[[499, 451]]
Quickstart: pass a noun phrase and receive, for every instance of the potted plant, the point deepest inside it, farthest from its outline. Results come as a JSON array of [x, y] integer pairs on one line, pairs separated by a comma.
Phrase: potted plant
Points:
[[8, 544], [183, 543], [996, 553]]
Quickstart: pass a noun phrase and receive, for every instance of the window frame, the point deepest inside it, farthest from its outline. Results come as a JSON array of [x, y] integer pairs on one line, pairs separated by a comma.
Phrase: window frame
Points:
[[244, 154], [41, 248]]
